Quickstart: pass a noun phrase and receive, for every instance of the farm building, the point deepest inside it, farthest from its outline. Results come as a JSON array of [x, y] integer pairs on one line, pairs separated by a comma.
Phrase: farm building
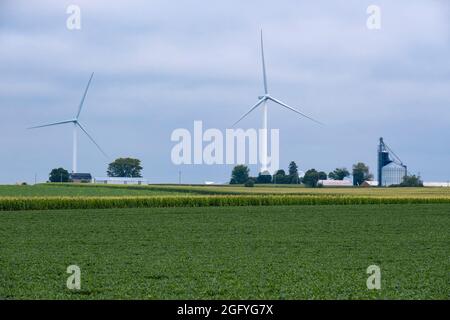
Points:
[[335, 183], [80, 177], [436, 184], [120, 180], [369, 184]]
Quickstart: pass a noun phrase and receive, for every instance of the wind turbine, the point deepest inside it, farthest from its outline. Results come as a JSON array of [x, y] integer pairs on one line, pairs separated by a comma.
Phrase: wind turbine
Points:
[[263, 101], [76, 123]]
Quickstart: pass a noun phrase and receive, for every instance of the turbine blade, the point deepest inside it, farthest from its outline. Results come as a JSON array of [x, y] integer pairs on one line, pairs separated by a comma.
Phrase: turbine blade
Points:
[[84, 96], [92, 139], [263, 65], [248, 112], [293, 109], [52, 124]]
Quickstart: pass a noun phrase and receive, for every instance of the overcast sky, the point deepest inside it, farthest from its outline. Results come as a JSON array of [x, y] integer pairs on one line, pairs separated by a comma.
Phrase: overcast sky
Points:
[[161, 65]]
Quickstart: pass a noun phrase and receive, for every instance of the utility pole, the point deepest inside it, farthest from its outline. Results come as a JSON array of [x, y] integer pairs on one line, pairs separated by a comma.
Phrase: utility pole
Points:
[[35, 178]]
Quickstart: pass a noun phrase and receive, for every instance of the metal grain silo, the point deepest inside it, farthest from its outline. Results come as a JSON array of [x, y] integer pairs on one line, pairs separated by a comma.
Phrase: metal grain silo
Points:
[[391, 169]]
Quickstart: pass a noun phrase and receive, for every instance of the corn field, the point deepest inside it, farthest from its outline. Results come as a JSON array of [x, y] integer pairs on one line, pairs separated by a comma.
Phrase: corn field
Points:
[[54, 203]]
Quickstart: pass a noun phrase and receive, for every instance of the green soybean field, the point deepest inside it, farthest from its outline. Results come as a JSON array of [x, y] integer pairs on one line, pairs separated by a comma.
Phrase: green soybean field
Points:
[[234, 252]]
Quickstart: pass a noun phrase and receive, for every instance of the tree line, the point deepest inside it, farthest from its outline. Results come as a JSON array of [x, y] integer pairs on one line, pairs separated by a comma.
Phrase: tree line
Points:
[[360, 173], [131, 168], [121, 167], [311, 178]]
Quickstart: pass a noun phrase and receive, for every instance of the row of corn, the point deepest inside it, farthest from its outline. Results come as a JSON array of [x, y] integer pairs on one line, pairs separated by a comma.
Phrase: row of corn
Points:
[[53, 203]]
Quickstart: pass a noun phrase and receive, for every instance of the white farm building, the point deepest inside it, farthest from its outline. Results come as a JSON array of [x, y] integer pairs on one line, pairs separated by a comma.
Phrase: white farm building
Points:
[[120, 180], [335, 183], [437, 184]]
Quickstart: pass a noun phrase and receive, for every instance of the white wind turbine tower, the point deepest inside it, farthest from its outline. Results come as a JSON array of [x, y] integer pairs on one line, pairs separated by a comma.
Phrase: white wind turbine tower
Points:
[[263, 101], [76, 123]]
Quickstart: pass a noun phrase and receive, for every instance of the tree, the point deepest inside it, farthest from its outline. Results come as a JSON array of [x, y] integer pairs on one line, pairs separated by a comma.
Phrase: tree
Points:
[[280, 177], [264, 178], [322, 175], [311, 178], [411, 181], [239, 175], [293, 173], [339, 174], [59, 175], [361, 173], [250, 183], [125, 167]]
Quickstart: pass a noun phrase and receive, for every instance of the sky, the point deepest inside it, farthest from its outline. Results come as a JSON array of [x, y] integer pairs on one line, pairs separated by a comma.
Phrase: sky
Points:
[[161, 65]]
